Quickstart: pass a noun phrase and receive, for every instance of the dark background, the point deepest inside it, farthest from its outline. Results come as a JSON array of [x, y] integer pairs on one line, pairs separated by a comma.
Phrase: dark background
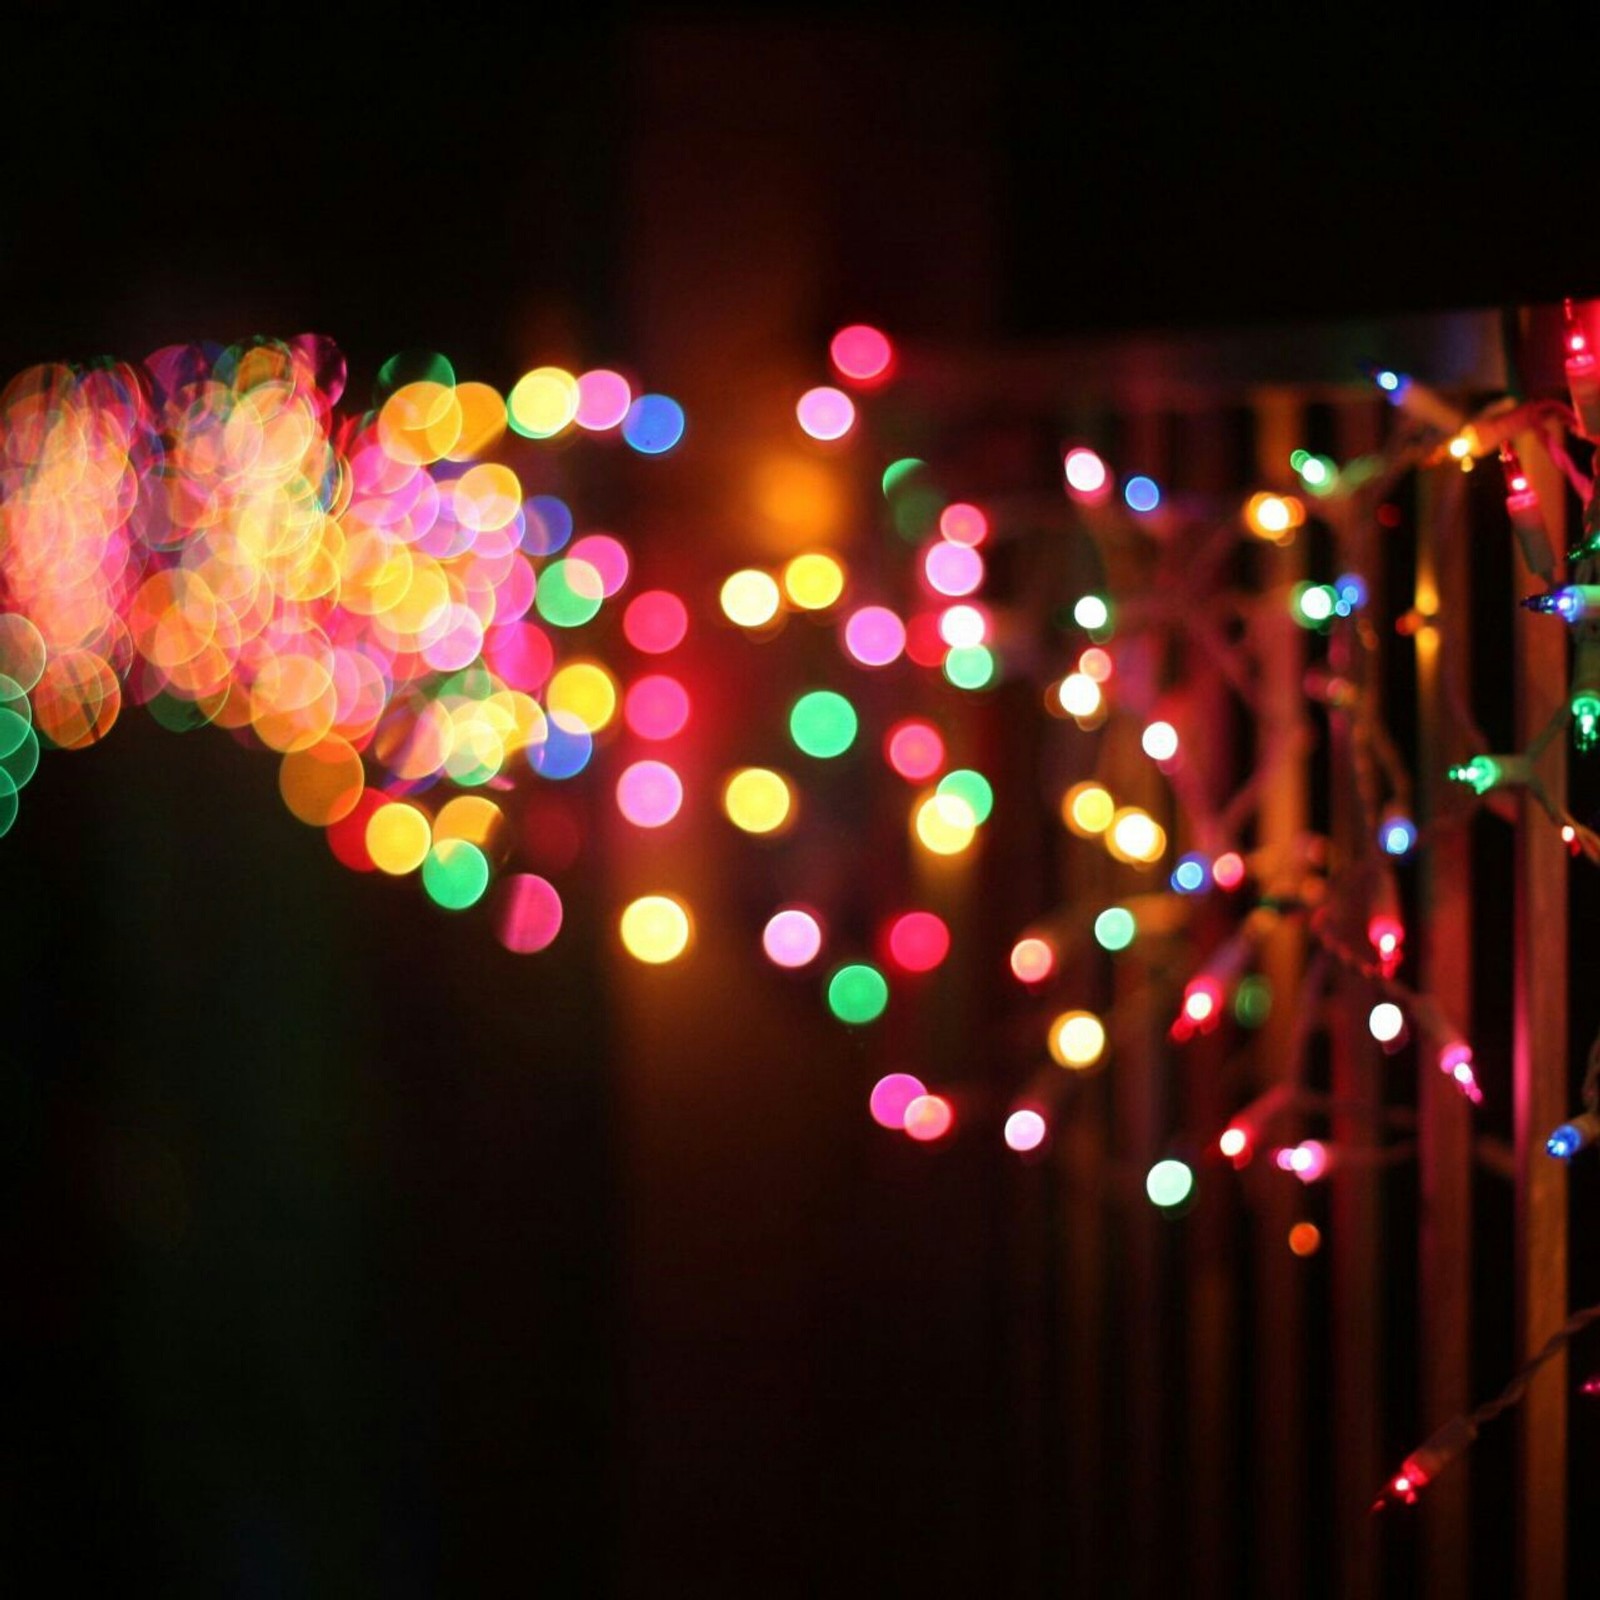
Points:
[[324, 1257]]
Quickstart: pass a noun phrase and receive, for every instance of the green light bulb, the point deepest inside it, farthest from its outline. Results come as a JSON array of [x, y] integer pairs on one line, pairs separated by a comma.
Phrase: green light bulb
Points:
[[1585, 720], [1480, 774]]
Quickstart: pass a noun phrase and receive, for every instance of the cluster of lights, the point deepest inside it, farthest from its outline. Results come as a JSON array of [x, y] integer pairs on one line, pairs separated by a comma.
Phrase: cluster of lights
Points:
[[372, 596], [1088, 481], [901, 1102], [1130, 834]]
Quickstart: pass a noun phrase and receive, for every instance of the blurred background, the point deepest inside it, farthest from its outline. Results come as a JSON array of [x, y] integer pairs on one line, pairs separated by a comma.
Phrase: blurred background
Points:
[[347, 1253]]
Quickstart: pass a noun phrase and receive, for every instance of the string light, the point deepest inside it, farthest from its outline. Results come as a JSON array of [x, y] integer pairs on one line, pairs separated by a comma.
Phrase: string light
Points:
[[1572, 602], [1455, 1438], [1482, 774], [1576, 1134], [1583, 376], [1247, 1128], [1309, 1160], [1527, 521], [1455, 1061]]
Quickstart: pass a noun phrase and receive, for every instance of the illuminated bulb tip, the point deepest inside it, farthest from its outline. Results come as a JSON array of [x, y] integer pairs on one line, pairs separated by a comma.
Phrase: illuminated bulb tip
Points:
[[1233, 1143]]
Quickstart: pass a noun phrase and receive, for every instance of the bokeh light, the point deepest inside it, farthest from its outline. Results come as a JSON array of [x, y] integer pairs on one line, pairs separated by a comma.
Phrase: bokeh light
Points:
[[1386, 1022], [543, 402], [655, 622], [825, 413], [963, 626], [890, 1096], [972, 787], [653, 424], [1305, 1238], [1228, 870], [1024, 1130], [1115, 928], [455, 873], [918, 941], [929, 1117], [530, 913], [750, 598], [970, 666], [1160, 741], [861, 353], [1141, 493], [397, 838], [793, 938], [758, 800], [655, 929], [1033, 959], [1086, 473], [1077, 1039], [1092, 613], [823, 724], [1079, 695], [914, 749], [874, 636], [603, 400], [1087, 809], [813, 581], [1135, 837], [1169, 1183], [962, 523], [649, 794], [952, 569], [585, 693], [857, 993], [944, 824], [656, 706]]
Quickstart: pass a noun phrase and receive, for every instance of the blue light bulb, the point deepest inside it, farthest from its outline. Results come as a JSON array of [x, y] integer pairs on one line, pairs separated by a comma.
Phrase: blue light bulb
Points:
[[1398, 836], [1565, 1142]]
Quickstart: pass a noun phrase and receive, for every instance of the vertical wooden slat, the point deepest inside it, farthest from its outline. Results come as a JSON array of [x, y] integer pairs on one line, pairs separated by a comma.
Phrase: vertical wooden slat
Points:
[[1444, 587], [1280, 1305], [1356, 1245], [1540, 1070]]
